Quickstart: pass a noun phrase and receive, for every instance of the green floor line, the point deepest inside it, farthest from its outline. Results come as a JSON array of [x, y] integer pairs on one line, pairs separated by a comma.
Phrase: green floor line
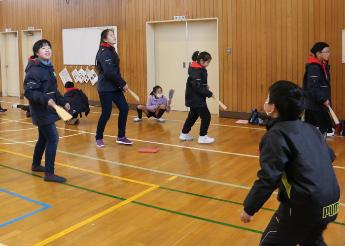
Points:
[[210, 197], [164, 209], [145, 204]]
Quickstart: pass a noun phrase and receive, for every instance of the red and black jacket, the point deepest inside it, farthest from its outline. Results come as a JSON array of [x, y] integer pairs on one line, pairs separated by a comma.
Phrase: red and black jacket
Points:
[[39, 86], [78, 101], [196, 87], [317, 84], [109, 75]]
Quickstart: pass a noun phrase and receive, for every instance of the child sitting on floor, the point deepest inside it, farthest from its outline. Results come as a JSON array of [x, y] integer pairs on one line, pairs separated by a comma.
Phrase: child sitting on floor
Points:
[[156, 106]]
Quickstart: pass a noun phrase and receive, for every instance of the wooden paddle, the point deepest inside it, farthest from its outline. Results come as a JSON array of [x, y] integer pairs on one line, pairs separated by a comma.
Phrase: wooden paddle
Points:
[[63, 114], [333, 116], [171, 95], [134, 95], [336, 121], [222, 105]]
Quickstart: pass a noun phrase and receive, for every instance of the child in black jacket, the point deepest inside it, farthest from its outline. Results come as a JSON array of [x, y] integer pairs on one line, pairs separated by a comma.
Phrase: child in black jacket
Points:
[[78, 101], [111, 87], [317, 86], [294, 158], [196, 93], [40, 88]]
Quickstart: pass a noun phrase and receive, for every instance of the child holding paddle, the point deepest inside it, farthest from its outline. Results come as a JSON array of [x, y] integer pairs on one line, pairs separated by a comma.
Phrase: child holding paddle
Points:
[[111, 87], [197, 91], [295, 159], [317, 86], [156, 105], [40, 88]]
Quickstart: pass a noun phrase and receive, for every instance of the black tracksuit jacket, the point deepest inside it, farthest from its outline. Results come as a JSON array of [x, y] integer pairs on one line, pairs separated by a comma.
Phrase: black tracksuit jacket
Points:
[[295, 158], [196, 87]]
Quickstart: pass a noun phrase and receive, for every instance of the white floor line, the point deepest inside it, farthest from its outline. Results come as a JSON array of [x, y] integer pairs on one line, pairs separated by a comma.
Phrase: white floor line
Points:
[[174, 145], [34, 141], [211, 181], [170, 145], [6, 122], [212, 124], [159, 143], [18, 130]]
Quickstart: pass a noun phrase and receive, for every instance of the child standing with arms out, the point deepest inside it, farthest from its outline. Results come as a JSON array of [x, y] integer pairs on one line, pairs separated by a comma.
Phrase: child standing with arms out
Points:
[[294, 158], [196, 93], [156, 105]]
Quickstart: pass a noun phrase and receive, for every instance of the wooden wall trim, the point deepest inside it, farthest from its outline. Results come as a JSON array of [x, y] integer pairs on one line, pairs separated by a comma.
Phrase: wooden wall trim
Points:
[[270, 39]]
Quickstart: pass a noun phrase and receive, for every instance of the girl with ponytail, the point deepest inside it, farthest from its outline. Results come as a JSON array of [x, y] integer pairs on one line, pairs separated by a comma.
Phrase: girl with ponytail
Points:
[[196, 93]]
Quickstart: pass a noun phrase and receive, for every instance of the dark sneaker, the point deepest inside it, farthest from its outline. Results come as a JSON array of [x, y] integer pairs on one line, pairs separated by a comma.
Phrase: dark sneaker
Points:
[[124, 141], [100, 143], [54, 178], [38, 168], [2, 110], [73, 121]]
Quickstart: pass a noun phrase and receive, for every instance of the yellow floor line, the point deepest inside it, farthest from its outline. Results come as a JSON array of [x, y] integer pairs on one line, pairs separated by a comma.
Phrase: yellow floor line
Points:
[[95, 217], [172, 178], [83, 169]]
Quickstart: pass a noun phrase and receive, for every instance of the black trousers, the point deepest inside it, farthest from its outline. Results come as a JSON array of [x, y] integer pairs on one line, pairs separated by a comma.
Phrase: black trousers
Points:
[[319, 119], [107, 98], [48, 139], [193, 115], [287, 228], [150, 114]]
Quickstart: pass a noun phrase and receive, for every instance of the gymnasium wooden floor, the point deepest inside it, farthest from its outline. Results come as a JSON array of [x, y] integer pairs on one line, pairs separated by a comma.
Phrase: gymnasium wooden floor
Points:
[[187, 194]]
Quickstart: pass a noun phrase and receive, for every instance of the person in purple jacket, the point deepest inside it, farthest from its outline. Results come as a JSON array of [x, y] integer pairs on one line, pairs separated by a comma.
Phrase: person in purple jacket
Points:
[[156, 106]]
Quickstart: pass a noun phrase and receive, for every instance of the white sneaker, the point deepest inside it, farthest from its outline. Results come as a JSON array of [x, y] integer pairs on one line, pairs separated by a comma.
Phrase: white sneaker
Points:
[[137, 119], [160, 120], [331, 134], [205, 140], [186, 137]]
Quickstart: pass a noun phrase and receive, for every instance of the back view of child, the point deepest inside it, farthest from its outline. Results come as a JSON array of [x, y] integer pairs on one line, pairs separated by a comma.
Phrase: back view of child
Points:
[[156, 106], [78, 101], [196, 93], [295, 159]]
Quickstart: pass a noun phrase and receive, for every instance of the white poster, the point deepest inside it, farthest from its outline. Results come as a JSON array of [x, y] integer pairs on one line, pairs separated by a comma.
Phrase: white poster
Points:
[[75, 75], [64, 76], [82, 75], [93, 77], [87, 79], [80, 45]]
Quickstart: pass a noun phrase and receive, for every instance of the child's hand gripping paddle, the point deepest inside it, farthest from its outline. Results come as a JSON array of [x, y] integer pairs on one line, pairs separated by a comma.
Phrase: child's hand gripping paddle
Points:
[[171, 95], [63, 114]]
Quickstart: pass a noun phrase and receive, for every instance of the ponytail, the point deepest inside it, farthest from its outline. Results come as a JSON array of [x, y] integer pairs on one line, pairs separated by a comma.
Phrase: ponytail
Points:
[[197, 56]]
